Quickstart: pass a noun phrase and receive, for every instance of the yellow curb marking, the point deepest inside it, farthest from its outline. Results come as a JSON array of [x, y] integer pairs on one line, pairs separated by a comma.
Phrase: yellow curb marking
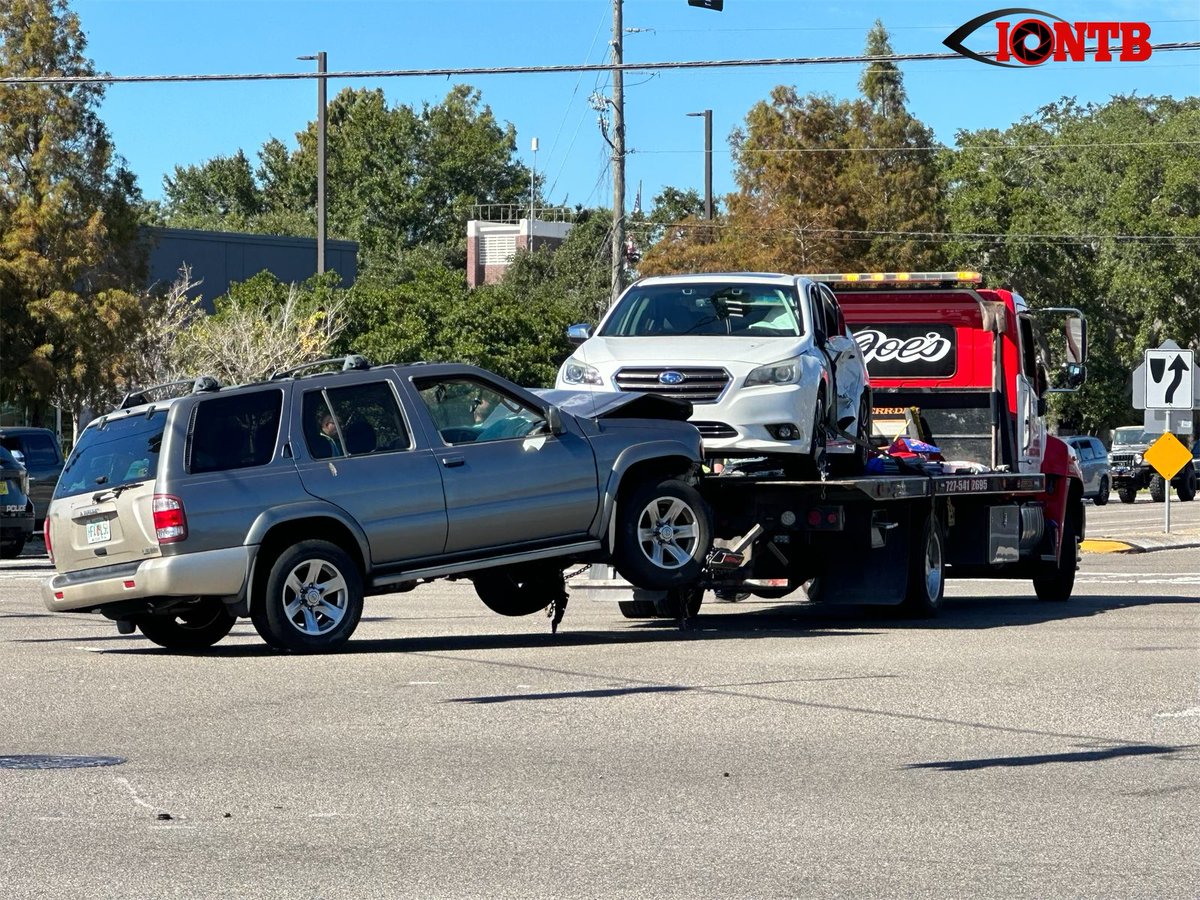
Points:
[[1104, 546]]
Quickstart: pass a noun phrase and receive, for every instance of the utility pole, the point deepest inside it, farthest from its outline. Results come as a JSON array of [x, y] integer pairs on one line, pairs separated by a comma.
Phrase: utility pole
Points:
[[618, 159], [321, 69], [532, 191], [708, 204]]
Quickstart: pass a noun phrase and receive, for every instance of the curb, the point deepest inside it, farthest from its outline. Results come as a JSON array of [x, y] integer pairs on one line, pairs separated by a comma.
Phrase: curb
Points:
[[1140, 545]]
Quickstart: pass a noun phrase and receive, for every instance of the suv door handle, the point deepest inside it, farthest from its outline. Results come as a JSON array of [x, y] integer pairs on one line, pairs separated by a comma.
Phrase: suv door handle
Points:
[[451, 460]]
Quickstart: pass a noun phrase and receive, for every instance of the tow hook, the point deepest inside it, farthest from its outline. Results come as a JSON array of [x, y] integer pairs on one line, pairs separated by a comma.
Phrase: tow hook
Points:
[[558, 603]]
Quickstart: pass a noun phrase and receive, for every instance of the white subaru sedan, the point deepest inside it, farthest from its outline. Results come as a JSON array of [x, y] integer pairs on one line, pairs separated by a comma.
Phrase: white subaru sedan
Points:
[[765, 359]]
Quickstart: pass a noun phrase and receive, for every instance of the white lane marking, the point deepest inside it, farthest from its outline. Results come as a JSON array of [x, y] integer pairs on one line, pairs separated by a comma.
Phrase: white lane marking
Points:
[[1182, 714]]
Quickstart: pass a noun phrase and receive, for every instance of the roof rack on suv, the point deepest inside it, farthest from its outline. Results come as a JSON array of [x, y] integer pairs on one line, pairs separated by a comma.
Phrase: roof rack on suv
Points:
[[201, 385], [350, 362]]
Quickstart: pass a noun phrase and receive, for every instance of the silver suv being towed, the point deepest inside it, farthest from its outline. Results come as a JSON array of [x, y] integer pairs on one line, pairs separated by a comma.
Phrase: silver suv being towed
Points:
[[288, 500]]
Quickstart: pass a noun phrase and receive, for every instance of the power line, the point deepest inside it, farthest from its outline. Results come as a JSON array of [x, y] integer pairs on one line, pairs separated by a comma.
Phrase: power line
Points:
[[928, 236], [525, 70], [936, 149]]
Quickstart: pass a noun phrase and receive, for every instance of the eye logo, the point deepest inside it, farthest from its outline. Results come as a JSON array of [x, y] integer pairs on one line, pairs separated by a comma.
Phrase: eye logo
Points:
[[1032, 41]]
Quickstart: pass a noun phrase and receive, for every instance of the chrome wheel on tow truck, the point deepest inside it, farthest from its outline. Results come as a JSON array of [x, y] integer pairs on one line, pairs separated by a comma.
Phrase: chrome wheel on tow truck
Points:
[[926, 570]]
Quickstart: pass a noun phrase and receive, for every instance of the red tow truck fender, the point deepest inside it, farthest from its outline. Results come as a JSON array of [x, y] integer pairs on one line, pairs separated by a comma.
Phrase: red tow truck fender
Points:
[[1062, 471]]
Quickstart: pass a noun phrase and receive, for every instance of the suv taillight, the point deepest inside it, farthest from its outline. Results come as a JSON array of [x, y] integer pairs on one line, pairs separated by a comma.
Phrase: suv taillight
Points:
[[170, 521], [46, 538]]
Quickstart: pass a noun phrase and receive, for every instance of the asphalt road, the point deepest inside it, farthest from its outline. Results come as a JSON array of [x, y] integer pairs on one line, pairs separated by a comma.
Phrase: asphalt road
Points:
[[1007, 749]]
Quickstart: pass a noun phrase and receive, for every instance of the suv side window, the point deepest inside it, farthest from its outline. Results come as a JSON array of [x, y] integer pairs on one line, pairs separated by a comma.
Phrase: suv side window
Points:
[[467, 411], [234, 432], [353, 421]]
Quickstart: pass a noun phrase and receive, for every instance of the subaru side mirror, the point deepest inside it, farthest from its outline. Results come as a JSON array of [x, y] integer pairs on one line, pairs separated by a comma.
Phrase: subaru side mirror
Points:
[[577, 334]]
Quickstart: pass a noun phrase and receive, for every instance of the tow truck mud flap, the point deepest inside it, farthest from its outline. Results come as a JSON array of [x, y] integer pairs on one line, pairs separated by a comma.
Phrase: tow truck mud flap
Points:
[[878, 575]]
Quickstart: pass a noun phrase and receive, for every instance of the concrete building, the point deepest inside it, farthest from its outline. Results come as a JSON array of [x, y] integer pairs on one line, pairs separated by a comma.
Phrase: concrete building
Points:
[[497, 231]]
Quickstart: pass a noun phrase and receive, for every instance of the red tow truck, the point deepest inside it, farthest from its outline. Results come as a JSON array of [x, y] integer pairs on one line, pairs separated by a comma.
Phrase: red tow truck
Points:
[[953, 364]]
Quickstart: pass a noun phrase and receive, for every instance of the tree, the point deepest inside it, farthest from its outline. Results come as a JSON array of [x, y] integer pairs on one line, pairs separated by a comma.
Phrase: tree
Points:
[[823, 184], [262, 326], [397, 178], [69, 256], [1095, 207]]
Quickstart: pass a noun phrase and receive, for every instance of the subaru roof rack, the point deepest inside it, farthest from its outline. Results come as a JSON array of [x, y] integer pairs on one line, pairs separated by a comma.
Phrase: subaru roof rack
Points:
[[350, 362], [202, 385]]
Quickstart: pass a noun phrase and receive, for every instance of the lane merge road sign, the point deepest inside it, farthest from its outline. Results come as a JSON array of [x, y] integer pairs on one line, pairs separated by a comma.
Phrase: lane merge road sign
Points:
[[1169, 379]]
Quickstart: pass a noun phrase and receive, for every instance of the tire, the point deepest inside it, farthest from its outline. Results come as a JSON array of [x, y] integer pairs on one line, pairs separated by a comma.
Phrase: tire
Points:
[[195, 627], [637, 609], [294, 614], [12, 549], [1055, 581], [1186, 489], [685, 599], [815, 466], [856, 464], [926, 570], [1158, 488], [1101, 499], [1127, 494], [663, 535], [519, 590]]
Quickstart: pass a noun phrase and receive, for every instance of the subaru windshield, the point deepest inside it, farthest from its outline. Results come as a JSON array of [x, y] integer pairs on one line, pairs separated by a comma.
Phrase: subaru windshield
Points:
[[717, 308]]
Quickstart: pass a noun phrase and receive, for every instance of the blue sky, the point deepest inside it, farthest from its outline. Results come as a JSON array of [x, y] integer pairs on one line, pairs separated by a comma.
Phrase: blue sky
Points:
[[159, 126]]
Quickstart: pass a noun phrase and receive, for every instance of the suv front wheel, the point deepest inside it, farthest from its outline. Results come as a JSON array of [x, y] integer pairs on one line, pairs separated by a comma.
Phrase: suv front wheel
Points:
[[312, 601], [663, 535]]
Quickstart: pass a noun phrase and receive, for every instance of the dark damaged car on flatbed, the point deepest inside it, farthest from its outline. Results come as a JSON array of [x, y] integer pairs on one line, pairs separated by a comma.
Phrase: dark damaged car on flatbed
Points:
[[290, 499]]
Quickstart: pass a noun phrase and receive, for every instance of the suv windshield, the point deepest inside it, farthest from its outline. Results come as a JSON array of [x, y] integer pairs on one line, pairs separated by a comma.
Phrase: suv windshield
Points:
[[718, 308], [1125, 436], [120, 451]]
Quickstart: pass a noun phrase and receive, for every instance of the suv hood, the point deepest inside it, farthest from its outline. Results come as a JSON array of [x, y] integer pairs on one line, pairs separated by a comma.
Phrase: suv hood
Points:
[[618, 405], [676, 350]]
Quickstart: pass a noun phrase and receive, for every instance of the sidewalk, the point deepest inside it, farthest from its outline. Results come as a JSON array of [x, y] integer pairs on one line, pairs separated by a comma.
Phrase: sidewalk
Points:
[[1178, 539]]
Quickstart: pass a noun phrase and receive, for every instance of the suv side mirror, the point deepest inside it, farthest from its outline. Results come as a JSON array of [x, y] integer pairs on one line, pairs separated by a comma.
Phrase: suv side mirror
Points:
[[820, 338], [577, 334], [555, 421]]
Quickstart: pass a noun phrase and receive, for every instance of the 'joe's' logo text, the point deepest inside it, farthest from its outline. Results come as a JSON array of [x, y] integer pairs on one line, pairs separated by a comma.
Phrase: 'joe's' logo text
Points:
[[1032, 41]]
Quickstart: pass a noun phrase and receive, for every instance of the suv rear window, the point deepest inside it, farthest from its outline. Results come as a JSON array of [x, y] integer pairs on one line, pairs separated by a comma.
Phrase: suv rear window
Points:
[[38, 449], [234, 432], [119, 451]]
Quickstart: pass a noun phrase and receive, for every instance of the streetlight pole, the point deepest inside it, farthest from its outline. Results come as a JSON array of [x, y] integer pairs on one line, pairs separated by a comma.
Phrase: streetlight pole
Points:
[[708, 202], [321, 69]]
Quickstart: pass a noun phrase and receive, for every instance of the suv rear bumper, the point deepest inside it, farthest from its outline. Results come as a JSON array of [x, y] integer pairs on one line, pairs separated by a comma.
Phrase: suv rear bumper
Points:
[[213, 573]]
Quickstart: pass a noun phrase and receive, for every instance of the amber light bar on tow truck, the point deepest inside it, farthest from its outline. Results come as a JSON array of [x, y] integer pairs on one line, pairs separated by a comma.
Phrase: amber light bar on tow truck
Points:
[[897, 277]]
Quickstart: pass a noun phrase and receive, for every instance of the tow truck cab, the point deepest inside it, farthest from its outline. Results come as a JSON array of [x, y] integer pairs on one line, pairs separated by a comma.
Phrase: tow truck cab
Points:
[[976, 364]]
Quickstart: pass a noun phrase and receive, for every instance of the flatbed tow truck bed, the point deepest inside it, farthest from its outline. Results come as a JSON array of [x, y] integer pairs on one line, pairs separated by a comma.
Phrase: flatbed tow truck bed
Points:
[[874, 539]]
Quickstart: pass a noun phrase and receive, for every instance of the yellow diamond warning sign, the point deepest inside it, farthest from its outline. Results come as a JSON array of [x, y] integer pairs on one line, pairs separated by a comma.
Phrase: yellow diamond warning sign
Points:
[[1168, 456]]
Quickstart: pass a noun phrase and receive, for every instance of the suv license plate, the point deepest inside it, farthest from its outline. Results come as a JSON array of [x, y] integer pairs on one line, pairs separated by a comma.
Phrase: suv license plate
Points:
[[97, 532]]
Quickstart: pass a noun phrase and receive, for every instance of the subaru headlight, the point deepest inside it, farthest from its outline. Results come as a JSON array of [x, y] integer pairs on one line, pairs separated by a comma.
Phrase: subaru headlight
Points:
[[786, 371], [576, 372]]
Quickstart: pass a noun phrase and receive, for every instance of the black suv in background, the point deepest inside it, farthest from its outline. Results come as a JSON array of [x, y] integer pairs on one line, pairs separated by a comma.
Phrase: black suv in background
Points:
[[39, 451], [16, 510], [289, 500]]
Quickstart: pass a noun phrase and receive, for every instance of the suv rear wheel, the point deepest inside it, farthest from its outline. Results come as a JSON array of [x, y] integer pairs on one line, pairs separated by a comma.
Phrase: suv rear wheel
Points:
[[312, 601], [11, 549], [663, 535], [196, 627]]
